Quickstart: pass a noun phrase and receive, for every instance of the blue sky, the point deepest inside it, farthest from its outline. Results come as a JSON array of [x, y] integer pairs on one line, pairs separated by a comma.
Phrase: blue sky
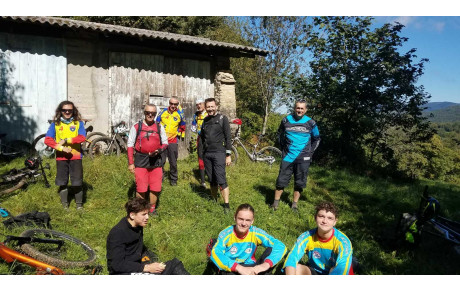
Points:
[[438, 39]]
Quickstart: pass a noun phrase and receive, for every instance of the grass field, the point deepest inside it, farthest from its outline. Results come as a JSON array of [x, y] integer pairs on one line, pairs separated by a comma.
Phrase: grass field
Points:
[[188, 218]]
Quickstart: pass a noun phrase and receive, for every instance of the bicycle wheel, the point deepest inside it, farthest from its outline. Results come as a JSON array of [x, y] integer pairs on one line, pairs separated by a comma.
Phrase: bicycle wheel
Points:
[[18, 148], [42, 149], [270, 155], [89, 139], [103, 146], [72, 254], [7, 187], [234, 155]]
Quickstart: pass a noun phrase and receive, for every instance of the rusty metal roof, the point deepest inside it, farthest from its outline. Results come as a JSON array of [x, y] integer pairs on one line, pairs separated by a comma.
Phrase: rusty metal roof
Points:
[[135, 32]]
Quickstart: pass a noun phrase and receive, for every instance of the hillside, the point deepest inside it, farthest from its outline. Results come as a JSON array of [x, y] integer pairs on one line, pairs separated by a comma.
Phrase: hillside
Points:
[[438, 105], [447, 114], [188, 218]]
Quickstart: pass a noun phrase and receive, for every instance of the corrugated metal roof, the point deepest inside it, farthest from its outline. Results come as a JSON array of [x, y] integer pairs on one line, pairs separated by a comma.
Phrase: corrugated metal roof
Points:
[[135, 32]]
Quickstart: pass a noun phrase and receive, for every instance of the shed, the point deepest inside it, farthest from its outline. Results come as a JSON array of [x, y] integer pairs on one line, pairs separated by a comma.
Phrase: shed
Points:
[[108, 71]]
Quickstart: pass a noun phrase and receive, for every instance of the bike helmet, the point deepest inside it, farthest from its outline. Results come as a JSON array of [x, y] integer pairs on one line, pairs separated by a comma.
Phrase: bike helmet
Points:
[[431, 208], [31, 163]]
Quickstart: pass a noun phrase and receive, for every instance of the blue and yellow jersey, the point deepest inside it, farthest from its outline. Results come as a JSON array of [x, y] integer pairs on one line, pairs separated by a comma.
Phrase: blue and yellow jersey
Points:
[[298, 138], [230, 250], [174, 123], [75, 133], [336, 253], [197, 121]]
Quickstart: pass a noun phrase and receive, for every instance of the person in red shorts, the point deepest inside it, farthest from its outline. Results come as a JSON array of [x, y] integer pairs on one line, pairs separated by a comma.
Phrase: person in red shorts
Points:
[[147, 140]]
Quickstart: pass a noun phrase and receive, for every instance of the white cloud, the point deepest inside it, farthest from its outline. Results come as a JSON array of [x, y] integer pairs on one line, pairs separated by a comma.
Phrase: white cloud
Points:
[[405, 20]]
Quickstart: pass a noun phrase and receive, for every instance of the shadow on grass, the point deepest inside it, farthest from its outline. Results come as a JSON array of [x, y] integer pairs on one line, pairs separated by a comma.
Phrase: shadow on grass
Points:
[[371, 208]]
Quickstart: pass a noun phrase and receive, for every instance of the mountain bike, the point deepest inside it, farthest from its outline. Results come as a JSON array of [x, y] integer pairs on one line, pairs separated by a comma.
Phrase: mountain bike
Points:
[[14, 148], [17, 178], [268, 154], [111, 145], [48, 251], [45, 151], [427, 220]]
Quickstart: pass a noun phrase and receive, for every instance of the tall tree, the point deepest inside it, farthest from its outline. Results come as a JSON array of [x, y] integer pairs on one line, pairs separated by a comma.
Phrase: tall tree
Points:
[[280, 36], [361, 85]]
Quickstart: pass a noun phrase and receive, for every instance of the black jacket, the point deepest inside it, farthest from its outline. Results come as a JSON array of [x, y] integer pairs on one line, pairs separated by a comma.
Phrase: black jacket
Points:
[[215, 134], [125, 245]]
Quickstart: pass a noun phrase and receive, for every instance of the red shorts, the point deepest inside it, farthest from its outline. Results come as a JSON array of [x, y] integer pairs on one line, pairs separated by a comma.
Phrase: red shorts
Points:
[[148, 177]]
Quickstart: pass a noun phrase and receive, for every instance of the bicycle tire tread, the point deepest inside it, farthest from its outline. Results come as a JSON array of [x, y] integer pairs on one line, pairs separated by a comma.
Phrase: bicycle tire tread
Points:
[[34, 253]]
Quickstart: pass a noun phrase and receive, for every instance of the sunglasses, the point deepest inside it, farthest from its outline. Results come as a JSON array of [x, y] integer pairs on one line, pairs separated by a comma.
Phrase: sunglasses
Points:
[[66, 110], [150, 113], [170, 103]]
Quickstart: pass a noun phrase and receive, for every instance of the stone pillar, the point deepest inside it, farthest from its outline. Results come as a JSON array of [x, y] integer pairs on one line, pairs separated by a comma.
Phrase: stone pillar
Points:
[[224, 92]]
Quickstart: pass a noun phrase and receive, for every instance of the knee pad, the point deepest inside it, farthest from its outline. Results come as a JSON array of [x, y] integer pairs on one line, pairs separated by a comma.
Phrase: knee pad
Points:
[[200, 164]]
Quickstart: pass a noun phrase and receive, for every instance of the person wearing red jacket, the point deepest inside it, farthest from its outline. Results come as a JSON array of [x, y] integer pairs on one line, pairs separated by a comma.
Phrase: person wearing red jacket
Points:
[[147, 140], [65, 135]]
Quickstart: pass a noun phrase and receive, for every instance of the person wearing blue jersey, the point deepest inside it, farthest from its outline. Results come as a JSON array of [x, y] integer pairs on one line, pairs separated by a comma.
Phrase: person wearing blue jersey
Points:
[[299, 138], [328, 251], [233, 252]]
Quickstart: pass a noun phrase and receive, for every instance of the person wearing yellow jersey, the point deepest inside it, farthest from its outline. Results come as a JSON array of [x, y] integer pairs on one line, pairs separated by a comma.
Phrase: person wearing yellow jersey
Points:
[[197, 121], [65, 135], [172, 119]]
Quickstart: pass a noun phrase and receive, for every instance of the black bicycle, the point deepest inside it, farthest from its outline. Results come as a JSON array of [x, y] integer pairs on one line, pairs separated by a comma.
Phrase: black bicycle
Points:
[[427, 220], [14, 149], [17, 178]]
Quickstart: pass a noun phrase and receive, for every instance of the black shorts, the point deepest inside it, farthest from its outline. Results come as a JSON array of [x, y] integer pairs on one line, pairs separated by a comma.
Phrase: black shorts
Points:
[[300, 171], [72, 168], [214, 164]]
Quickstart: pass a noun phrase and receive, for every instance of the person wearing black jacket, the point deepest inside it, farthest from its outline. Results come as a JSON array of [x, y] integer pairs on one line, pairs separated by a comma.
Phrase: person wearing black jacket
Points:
[[217, 141], [126, 253]]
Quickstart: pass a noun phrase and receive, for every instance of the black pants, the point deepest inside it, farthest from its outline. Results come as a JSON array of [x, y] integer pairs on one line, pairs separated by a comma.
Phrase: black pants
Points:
[[172, 152], [300, 171], [214, 164], [66, 168]]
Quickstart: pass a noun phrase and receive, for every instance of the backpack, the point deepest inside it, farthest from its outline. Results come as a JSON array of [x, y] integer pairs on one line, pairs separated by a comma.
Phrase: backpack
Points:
[[139, 129], [32, 219]]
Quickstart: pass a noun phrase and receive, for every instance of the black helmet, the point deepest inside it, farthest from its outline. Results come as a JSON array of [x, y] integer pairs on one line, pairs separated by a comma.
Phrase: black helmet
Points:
[[31, 163]]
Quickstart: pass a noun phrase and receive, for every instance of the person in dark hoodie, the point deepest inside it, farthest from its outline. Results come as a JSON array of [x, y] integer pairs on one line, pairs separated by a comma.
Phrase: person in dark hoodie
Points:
[[126, 253]]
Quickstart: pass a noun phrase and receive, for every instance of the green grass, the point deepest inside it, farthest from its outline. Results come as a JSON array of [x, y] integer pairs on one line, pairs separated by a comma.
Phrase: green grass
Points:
[[188, 218]]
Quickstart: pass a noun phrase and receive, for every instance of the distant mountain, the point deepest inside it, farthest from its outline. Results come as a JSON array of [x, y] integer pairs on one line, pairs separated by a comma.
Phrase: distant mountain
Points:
[[446, 114], [439, 105]]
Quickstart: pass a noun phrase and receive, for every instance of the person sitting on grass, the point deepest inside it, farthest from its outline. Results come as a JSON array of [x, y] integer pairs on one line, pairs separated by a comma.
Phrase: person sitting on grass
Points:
[[126, 253], [329, 250], [233, 252]]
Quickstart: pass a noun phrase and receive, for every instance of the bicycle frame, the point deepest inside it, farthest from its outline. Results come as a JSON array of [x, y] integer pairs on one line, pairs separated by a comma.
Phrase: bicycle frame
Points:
[[10, 255], [254, 156]]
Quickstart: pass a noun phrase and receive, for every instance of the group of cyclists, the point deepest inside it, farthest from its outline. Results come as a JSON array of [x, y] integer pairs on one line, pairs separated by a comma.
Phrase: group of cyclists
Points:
[[153, 139]]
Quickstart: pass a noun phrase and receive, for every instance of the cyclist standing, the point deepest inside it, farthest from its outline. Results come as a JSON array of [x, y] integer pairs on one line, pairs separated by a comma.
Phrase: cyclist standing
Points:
[[65, 135], [172, 118], [197, 121], [299, 137], [217, 141], [148, 139]]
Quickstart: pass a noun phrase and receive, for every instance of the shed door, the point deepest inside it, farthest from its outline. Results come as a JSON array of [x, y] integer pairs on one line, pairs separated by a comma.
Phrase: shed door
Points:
[[133, 78], [33, 80]]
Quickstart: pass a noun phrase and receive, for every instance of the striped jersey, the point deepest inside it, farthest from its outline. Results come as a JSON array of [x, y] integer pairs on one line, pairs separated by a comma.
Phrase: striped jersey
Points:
[[298, 138], [322, 255], [231, 250]]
